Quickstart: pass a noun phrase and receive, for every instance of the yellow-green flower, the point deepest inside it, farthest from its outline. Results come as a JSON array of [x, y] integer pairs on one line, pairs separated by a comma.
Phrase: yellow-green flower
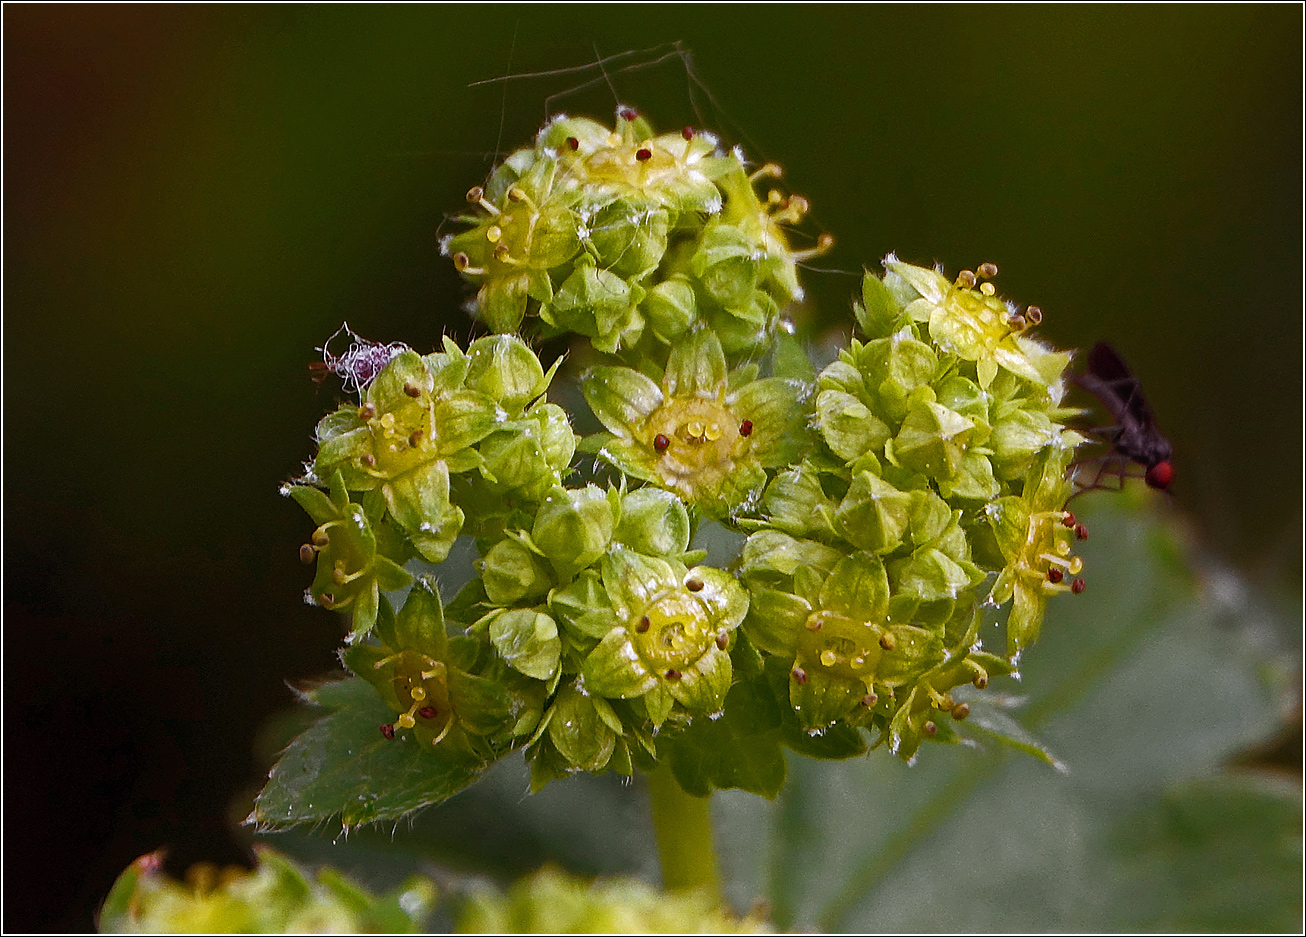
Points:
[[416, 424], [1035, 535], [672, 631], [973, 324], [702, 433]]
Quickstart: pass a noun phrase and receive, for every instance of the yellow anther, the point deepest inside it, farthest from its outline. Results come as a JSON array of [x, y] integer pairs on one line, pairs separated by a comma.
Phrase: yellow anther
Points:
[[713, 432], [406, 721], [774, 197], [988, 289], [966, 280], [1076, 566], [828, 657], [694, 428], [418, 693], [493, 233], [516, 194], [988, 271]]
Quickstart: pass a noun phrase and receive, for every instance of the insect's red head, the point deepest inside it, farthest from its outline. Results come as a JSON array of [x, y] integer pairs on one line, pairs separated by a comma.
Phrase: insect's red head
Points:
[[1160, 475]]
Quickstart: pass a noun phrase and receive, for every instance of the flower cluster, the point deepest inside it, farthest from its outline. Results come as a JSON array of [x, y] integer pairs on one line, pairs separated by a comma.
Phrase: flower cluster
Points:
[[895, 503], [626, 236]]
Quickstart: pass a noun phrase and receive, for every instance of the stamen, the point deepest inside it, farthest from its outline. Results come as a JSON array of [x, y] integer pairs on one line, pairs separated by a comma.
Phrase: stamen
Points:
[[746, 428], [1034, 315], [660, 442], [493, 233], [643, 154], [966, 280], [1069, 520], [412, 390], [1078, 586], [673, 674], [687, 133], [823, 244], [828, 657], [694, 585], [427, 712], [960, 711], [307, 553], [869, 700], [888, 641], [1081, 532], [1055, 575], [799, 674], [988, 271], [722, 640], [643, 625], [415, 438], [930, 729], [366, 412], [476, 195], [628, 114], [713, 432], [767, 171], [463, 264], [387, 730], [573, 143], [988, 289]]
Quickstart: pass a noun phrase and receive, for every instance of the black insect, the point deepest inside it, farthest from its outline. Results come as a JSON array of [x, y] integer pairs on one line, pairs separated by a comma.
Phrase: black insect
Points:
[[1134, 438]]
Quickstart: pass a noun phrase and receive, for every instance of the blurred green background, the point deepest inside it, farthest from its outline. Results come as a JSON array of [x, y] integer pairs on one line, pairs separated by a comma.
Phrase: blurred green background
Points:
[[196, 196]]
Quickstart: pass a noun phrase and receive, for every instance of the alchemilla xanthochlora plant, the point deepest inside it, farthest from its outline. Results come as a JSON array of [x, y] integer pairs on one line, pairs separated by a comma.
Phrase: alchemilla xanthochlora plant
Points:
[[903, 506]]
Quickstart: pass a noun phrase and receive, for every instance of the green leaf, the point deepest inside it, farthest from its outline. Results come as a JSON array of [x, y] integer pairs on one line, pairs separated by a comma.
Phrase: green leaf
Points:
[[344, 767], [739, 750]]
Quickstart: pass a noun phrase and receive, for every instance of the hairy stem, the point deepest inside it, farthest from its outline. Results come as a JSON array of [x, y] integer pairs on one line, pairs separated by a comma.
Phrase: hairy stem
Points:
[[683, 826]]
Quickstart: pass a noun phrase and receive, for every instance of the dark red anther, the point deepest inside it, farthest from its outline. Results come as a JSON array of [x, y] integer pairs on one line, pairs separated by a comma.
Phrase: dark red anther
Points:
[[415, 438], [1078, 586], [1081, 532], [573, 143], [722, 640], [1160, 476], [368, 459], [961, 711], [643, 625], [673, 674], [643, 154], [746, 428], [366, 412], [307, 554], [1070, 519], [981, 681], [869, 700], [628, 113], [387, 730], [660, 442], [694, 585], [412, 390], [427, 712], [687, 133], [1055, 574], [930, 729], [799, 674]]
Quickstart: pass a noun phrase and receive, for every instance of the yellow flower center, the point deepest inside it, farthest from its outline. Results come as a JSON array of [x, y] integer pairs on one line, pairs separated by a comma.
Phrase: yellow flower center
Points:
[[842, 646], [696, 442], [673, 632]]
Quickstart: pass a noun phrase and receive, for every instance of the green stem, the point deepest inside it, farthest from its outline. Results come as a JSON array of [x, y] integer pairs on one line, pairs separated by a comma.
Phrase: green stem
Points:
[[683, 826]]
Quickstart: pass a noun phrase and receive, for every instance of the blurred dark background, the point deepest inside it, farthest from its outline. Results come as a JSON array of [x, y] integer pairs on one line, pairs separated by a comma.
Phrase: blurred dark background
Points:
[[196, 196]]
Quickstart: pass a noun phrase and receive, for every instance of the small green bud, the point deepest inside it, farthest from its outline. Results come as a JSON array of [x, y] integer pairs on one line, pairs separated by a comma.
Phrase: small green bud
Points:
[[670, 308], [933, 440], [573, 528], [504, 369], [653, 522], [514, 573]]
